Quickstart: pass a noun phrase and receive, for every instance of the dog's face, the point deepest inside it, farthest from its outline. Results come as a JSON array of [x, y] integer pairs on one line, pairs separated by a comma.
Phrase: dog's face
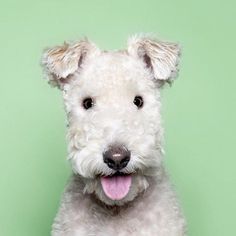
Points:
[[113, 108]]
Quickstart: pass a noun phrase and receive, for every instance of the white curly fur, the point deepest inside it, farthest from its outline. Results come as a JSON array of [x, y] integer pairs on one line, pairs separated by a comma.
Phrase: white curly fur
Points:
[[113, 79]]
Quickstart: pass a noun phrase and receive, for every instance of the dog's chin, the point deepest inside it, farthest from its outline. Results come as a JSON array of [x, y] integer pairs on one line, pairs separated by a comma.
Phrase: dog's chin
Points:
[[118, 189]]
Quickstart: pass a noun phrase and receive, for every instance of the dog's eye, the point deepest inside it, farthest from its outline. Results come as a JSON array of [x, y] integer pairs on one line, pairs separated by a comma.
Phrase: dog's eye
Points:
[[88, 103], [138, 101]]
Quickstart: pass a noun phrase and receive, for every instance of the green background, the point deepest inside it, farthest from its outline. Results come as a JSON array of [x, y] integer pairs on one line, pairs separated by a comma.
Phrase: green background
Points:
[[198, 110]]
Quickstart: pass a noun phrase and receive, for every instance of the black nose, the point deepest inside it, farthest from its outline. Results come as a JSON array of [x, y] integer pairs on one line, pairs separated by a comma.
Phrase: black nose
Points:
[[116, 157]]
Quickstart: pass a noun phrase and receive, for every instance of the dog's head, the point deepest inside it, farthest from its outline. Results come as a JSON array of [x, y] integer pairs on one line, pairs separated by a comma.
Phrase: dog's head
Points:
[[112, 101]]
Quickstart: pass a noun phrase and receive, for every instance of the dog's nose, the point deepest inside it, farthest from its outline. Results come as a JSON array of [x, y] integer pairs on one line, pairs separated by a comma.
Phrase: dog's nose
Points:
[[116, 157]]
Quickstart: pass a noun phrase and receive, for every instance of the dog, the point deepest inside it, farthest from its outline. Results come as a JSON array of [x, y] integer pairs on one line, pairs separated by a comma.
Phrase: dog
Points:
[[115, 138]]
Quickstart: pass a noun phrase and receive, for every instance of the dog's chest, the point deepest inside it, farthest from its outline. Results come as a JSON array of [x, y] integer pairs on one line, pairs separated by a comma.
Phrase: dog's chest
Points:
[[140, 219]]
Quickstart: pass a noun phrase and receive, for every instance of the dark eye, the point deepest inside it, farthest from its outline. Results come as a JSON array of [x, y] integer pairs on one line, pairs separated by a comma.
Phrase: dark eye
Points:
[[138, 101], [87, 103]]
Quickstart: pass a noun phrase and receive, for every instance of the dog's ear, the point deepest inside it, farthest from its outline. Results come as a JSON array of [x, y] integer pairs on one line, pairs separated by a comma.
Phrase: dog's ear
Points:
[[61, 62], [160, 57]]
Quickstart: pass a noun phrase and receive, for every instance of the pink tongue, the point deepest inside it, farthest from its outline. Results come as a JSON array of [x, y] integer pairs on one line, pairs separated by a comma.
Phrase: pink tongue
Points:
[[116, 187]]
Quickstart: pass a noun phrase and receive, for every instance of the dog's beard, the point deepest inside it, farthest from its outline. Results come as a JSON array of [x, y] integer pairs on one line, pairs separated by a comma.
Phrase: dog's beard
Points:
[[114, 188], [139, 184]]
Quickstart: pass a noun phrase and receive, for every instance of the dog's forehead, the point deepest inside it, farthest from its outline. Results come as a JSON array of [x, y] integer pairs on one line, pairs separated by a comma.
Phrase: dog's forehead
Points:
[[115, 68]]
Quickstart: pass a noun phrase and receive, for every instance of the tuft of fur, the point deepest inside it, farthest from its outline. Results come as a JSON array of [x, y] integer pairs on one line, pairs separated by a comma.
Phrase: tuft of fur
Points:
[[112, 80], [161, 57], [62, 61]]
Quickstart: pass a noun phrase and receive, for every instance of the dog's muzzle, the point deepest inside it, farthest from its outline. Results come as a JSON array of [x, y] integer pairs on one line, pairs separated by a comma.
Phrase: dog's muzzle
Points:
[[116, 186]]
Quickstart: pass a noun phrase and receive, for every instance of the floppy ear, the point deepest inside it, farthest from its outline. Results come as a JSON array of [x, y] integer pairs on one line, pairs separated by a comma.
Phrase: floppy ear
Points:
[[61, 62], [161, 57]]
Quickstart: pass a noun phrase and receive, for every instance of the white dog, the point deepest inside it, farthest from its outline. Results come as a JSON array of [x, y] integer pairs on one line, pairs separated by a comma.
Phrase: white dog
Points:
[[112, 101]]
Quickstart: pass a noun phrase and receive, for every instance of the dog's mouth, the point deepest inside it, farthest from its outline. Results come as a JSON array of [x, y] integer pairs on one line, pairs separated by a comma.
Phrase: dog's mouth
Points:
[[116, 186]]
